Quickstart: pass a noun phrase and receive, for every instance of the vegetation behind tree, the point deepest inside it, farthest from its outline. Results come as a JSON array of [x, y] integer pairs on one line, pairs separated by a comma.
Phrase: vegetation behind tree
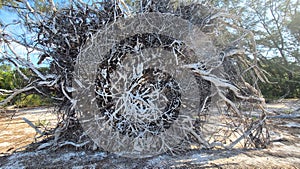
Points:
[[10, 80]]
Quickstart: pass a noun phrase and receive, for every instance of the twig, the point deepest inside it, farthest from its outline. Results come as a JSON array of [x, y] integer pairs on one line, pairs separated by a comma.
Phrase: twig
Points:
[[15, 93]]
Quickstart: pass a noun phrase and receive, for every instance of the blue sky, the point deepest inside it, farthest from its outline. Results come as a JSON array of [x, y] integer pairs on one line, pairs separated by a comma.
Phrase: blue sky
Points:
[[16, 30], [7, 17]]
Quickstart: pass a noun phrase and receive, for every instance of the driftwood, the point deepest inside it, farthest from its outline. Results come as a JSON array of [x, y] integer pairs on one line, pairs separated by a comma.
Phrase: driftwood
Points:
[[221, 68]]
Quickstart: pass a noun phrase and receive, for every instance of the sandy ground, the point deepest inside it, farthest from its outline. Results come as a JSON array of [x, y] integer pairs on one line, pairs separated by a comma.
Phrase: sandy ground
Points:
[[284, 151], [15, 133]]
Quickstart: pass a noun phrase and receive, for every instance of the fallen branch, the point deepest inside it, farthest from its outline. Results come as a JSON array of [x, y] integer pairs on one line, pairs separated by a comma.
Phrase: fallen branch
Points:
[[15, 93], [247, 132], [285, 116]]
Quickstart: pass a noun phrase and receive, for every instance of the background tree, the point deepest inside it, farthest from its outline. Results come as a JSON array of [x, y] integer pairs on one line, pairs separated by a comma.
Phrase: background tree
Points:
[[11, 80], [275, 25], [294, 25]]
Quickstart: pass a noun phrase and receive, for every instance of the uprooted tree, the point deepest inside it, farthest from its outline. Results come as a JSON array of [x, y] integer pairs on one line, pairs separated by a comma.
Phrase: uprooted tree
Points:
[[143, 77]]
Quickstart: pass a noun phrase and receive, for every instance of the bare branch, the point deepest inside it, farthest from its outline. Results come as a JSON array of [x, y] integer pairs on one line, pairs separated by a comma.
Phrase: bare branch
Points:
[[14, 94]]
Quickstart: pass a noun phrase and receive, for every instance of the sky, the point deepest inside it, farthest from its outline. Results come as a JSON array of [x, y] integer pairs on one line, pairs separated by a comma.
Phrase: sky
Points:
[[10, 17], [16, 30], [6, 17]]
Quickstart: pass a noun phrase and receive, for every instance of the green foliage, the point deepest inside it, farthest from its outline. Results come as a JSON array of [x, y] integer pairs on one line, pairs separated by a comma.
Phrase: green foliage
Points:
[[31, 100], [285, 81], [42, 123], [38, 5], [10, 79], [275, 25], [294, 26], [8, 3], [6, 77]]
